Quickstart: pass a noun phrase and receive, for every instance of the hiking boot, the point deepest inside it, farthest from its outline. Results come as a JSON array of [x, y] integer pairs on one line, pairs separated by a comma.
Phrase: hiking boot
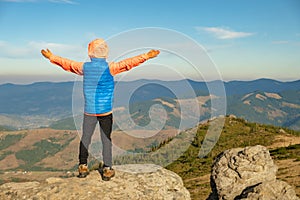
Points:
[[106, 172], [83, 171]]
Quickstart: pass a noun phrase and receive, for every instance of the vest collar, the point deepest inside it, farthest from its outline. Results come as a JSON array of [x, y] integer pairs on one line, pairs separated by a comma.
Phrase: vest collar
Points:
[[98, 59]]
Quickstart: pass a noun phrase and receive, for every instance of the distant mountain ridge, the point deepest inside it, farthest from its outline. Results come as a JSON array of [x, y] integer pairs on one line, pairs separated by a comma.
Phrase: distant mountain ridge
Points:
[[54, 100], [266, 85], [42, 98]]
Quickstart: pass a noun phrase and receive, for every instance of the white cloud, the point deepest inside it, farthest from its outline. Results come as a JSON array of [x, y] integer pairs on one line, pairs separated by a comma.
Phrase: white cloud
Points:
[[286, 42], [53, 1], [19, 1], [63, 1], [214, 48], [280, 42], [32, 50], [222, 33]]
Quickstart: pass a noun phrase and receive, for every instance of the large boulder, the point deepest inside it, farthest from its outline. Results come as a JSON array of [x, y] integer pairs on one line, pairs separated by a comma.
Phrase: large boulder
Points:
[[145, 182], [269, 190], [247, 173]]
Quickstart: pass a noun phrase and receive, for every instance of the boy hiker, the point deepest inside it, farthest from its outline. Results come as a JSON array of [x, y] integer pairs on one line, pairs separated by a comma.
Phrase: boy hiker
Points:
[[98, 89]]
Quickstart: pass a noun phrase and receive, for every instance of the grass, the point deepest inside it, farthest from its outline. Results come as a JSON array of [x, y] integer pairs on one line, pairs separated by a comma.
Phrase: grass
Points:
[[7, 128], [40, 150], [9, 140], [64, 124], [290, 152], [235, 133], [4, 154]]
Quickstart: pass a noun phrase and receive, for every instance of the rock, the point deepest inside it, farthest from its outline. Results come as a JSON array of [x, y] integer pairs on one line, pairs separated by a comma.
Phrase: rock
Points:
[[282, 131], [131, 182], [247, 173], [231, 116], [236, 169], [21, 186], [53, 180], [270, 190]]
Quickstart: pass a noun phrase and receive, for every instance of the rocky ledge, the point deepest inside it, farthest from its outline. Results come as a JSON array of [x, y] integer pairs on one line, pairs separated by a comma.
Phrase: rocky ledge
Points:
[[144, 181]]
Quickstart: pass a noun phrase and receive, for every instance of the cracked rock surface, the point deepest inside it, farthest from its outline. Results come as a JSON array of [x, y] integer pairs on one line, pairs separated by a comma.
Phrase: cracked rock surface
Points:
[[247, 173]]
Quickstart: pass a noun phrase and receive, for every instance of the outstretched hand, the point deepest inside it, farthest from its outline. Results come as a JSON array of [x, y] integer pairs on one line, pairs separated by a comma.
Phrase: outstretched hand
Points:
[[153, 53], [46, 53]]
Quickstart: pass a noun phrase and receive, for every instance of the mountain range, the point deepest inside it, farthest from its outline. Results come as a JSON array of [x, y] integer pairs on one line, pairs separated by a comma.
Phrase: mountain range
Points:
[[46, 103]]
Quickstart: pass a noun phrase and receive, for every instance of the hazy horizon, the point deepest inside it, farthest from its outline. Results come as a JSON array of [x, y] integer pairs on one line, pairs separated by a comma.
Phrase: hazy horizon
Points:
[[27, 80]]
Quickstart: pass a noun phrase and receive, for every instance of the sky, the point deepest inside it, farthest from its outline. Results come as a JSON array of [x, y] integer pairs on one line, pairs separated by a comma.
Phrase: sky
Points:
[[228, 40]]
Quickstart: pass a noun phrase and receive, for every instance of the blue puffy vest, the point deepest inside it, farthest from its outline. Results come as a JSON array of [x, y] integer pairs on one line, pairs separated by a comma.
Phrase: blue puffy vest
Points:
[[98, 86]]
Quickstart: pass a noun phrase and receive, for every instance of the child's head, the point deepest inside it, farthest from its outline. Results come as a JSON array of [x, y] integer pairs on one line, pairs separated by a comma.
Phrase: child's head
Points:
[[98, 49]]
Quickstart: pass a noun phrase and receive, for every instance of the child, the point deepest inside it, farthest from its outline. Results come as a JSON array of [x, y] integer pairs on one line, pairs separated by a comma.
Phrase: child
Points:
[[98, 89]]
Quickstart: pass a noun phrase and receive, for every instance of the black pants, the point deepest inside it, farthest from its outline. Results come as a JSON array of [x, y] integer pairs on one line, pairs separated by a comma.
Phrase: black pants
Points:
[[89, 125]]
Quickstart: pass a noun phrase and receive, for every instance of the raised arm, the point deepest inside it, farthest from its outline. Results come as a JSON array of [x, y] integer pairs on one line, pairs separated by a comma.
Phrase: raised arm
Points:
[[129, 63], [66, 64]]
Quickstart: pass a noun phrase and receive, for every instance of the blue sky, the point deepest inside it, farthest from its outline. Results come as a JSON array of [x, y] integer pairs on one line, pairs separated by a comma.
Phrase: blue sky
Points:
[[245, 39]]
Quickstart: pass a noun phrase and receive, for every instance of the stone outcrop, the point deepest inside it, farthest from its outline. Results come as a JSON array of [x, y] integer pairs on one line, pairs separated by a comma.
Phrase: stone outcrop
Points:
[[247, 173], [270, 190], [131, 182]]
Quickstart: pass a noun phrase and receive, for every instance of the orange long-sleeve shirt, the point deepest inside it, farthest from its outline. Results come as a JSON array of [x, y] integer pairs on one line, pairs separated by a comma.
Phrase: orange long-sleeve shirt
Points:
[[114, 67]]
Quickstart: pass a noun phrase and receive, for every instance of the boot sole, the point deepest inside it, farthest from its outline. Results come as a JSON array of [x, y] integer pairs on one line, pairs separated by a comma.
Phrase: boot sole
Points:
[[82, 175], [100, 170]]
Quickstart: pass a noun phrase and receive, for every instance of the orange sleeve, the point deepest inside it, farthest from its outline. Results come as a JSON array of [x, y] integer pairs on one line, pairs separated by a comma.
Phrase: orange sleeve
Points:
[[127, 64], [68, 65]]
